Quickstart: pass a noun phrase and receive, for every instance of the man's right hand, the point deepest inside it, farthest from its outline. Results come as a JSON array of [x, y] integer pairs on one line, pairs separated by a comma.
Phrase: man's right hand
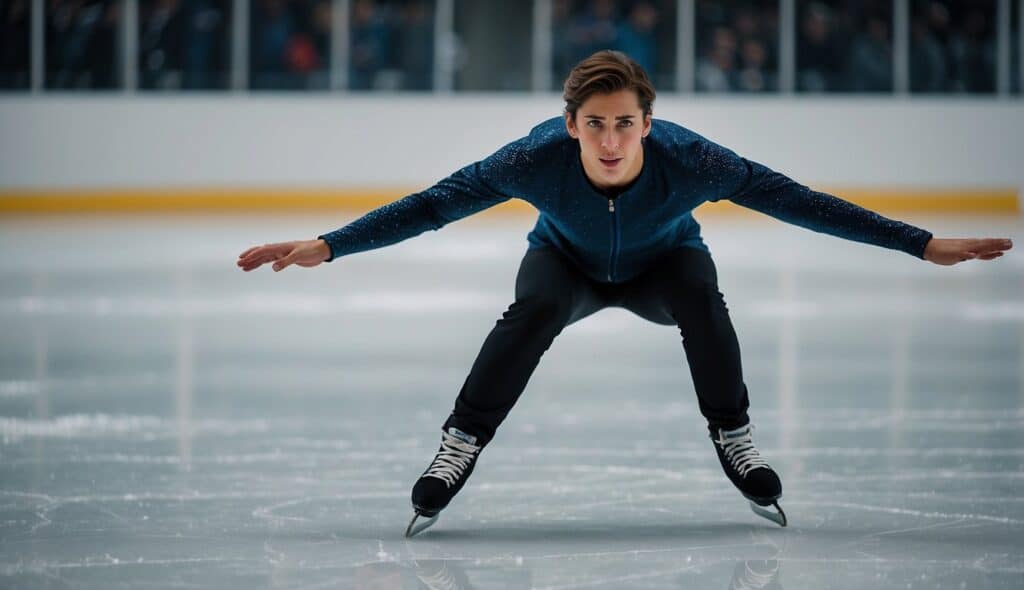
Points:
[[306, 253]]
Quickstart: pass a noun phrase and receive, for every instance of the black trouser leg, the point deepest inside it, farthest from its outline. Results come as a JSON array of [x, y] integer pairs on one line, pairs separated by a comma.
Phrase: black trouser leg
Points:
[[682, 289], [551, 293]]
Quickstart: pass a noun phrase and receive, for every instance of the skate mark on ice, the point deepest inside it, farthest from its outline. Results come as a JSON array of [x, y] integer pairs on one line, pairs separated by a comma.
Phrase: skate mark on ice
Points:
[[108, 560], [268, 512], [934, 525], [910, 512]]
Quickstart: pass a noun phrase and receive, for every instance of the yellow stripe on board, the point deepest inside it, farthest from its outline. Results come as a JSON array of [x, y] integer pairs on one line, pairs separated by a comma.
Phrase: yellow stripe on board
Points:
[[978, 201], [967, 201]]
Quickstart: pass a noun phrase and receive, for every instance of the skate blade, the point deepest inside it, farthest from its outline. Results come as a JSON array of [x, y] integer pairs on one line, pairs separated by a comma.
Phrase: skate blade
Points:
[[778, 518], [414, 529]]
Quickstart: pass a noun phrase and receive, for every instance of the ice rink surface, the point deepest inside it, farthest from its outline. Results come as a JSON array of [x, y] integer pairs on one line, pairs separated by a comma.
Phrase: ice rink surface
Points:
[[169, 421]]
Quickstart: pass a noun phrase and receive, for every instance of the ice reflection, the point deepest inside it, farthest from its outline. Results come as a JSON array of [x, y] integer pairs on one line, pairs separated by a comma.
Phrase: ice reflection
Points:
[[441, 574], [184, 377], [757, 573], [465, 574]]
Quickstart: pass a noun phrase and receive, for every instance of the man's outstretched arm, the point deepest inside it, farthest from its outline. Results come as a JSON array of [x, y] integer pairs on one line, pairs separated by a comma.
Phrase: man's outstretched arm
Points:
[[463, 193], [757, 187]]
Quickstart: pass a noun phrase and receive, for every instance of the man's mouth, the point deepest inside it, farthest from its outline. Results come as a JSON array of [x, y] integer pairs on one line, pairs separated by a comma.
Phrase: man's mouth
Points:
[[610, 162]]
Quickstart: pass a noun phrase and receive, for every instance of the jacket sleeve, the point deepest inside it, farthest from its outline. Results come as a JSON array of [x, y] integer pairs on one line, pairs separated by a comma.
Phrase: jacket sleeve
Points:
[[469, 190], [757, 187]]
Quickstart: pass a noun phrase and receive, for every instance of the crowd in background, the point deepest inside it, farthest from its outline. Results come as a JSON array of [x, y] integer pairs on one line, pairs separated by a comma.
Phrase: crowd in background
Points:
[[953, 46], [14, 44], [81, 40], [184, 44], [841, 45], [289, 44], [635, 28], [737, 46], [845, 46], [392, 45]]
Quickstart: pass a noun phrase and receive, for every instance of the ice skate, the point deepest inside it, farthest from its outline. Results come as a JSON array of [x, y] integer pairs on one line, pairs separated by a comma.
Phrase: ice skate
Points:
[[444, 478], [749, 472]]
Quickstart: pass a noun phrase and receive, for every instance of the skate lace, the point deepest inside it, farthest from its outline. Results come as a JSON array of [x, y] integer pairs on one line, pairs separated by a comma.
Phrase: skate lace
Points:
[[741, 452], [453, 458]]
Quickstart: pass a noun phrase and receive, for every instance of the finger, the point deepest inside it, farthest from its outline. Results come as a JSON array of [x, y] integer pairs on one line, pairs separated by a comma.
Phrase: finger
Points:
[[284, 262], [281, 247], [991, 256], [247, 266], [257, 250], [259, 258], [255, 253], [995, 245], [247, 252], [992, 245]]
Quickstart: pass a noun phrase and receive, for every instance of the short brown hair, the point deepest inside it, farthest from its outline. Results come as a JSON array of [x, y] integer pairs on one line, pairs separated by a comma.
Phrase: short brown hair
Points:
[[605, 72]]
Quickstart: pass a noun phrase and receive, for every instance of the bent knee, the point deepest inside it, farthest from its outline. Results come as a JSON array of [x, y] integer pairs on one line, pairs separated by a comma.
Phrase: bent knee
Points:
[[697, 295], [547, 307], [694, 287]]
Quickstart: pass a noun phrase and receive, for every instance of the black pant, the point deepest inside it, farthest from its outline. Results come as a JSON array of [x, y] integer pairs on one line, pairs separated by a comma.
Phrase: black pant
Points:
[[680, 289]]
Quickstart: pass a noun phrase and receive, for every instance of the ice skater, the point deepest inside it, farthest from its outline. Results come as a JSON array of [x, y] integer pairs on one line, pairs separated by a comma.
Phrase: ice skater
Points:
[[615, 190]]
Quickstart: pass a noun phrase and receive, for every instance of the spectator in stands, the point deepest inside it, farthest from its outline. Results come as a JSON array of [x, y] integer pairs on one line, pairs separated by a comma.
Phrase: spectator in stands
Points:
[[291, 41], [737, 54], [14, 44], [593, 30], [182, 45], [870, 63], [370, 39], [81, 39], [975, 54], [561, 46], [716, 69], [160, 47], [416, 59], [636, 36], [928, 71], [753, 75], [819, 52], [205, 39], [273, 27]]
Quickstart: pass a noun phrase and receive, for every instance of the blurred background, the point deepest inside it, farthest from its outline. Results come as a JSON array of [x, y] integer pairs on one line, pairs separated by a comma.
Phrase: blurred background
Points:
[[781, 46], [102, 101]]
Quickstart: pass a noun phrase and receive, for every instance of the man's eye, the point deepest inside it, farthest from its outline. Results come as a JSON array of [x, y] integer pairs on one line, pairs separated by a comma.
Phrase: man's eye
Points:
[[626, 123], [593, 123]]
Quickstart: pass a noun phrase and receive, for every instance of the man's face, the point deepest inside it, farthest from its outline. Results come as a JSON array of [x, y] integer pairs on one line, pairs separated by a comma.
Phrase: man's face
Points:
[[609, 128]]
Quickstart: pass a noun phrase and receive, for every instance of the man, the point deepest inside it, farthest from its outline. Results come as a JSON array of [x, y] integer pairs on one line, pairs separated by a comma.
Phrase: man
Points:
[[615, 190]]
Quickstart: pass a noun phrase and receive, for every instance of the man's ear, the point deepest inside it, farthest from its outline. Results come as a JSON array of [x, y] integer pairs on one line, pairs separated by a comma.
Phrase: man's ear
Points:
[[647, 124], [570, 125]]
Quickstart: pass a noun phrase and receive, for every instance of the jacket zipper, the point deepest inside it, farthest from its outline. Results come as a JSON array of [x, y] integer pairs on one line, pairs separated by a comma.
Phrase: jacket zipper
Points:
[[615, 241]]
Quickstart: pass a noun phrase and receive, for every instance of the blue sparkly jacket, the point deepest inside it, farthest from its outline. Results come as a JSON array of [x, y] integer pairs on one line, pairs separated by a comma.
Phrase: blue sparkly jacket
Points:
[[615, 240]]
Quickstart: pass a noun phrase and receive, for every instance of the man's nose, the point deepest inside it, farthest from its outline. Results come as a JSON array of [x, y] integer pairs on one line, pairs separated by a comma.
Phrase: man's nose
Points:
[[608, 141]]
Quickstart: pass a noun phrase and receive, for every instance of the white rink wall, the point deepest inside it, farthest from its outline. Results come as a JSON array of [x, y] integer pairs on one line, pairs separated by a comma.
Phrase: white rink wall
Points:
[[348, 141]]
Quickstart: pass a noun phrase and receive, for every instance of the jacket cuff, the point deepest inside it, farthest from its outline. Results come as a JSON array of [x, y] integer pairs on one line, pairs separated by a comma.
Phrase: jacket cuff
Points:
[[918, 242], [329, 247]]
